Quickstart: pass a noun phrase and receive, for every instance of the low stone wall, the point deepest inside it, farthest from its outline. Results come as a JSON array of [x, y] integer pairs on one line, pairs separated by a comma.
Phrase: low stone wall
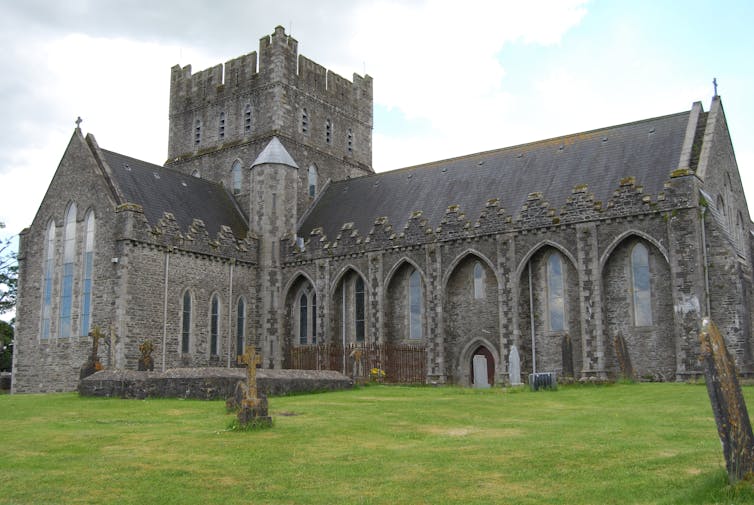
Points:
[[207, 383]]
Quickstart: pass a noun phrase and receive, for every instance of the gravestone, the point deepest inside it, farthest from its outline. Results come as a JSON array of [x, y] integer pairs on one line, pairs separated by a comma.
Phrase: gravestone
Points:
[[254, 405], [514, 367], [567, 353], [146, 363], [731, 416], [624, 360], [92, 364], [480, 371]]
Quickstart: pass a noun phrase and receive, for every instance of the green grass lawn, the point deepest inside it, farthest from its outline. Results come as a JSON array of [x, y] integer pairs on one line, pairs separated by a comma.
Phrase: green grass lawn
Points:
[[626, 443]]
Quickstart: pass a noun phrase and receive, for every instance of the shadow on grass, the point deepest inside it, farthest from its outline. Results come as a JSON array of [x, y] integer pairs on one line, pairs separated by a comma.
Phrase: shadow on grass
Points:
[[712, 488]]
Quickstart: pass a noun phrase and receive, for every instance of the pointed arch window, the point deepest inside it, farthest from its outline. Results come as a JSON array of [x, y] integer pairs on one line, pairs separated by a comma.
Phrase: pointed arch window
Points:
[[247, 118], [86, 285], [236, 177], [307, 316], [640, 284], [240, 326], [49, 270], [214, 326], [359, 309], [555, 293], [304, 121], [303, 332], [479, 281], [312, 180], [221, 126], [197, 132], [186, 323], [416, 328], [69, 257]]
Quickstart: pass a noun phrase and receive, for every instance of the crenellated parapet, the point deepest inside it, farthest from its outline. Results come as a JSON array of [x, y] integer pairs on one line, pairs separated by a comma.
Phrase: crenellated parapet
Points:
[[167, 234], [581, 206]]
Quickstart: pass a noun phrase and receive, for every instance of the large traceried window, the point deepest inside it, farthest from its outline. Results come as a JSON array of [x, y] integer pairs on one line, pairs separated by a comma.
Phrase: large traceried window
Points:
[[214, 326], [416, 329], [640, 285], [240, 326], [186, 323], [49, 270], [478, 281], [86, 286], [307, 317], [312, 180], [69, 262], [235, 172], [555, 293], [359, 311]]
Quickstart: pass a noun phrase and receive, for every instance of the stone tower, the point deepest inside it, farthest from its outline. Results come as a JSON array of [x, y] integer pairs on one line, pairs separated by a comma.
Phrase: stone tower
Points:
[[223, 117]]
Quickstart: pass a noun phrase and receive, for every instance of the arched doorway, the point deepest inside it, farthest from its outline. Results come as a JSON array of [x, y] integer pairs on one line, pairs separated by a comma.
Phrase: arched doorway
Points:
[[482, 368]]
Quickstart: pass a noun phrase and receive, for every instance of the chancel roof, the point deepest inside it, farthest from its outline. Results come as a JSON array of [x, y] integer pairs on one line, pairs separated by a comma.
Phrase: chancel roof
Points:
[[648, 150], [158, 190]]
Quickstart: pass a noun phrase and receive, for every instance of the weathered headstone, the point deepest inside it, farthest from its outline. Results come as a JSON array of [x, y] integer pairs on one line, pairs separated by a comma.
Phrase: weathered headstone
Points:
[[731, 416], [624, 360], [514, 367], [567, 353], [480, 371], [92, 364], [254, 405], [146, 363]]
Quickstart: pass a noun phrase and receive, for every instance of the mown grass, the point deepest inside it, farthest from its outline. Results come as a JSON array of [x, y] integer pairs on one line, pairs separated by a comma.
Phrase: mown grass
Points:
[[626, 443]]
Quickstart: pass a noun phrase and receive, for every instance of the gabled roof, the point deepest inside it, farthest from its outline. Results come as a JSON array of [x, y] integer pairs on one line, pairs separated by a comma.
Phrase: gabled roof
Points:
[[648, 150], [158, 190], [274, 153]]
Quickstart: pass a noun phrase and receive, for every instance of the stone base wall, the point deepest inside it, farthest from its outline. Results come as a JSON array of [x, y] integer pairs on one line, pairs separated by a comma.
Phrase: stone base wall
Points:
[[207, 383]]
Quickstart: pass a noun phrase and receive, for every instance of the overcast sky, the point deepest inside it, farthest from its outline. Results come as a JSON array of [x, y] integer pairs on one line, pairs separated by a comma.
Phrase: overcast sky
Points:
[[450, 77]]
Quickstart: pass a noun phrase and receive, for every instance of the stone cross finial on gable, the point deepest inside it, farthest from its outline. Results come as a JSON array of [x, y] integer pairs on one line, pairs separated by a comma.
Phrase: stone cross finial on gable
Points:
[[78, 122], [714, 83]]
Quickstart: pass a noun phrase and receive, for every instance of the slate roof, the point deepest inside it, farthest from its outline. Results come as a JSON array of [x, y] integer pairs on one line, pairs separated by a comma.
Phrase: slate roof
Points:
[[648, 150], [158, 190]]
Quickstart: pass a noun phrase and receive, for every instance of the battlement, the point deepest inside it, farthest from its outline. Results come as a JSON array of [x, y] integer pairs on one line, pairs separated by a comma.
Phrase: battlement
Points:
[[278, 61]]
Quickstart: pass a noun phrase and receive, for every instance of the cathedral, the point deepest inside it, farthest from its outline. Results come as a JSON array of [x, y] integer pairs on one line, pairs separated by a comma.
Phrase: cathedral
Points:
[[591, 255]]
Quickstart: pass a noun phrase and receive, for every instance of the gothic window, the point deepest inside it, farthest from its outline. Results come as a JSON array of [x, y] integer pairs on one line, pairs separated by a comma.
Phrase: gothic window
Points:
[[312, 180], [303, 319], [304, 121], [186, 323], [214, 326], [247, 119], [49, 268], [307, 317], [640, 285], [69, 256], [349, 141], [236, 176], [221, 126], [721, 205], [328, 131], [416, 329], [197, 132], [86, 290], [555, 293], [240, 326], [359, 310], [478, 281]]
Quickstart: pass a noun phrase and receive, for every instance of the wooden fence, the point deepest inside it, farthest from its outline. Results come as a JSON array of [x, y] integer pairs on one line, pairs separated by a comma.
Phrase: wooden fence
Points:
[[401, 363]]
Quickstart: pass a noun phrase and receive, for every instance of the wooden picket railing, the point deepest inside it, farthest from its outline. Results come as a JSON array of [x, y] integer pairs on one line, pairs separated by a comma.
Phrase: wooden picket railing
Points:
[[400, 363]]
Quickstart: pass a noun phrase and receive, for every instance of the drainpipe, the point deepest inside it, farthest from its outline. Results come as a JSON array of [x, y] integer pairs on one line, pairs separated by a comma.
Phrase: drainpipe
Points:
[[531, 316], [165, 309], [230, 309], [706, 265], [343, 326]]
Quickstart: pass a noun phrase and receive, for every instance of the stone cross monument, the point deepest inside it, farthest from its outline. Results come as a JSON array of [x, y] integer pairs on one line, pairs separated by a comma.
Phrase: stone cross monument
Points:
[[253, 407]]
